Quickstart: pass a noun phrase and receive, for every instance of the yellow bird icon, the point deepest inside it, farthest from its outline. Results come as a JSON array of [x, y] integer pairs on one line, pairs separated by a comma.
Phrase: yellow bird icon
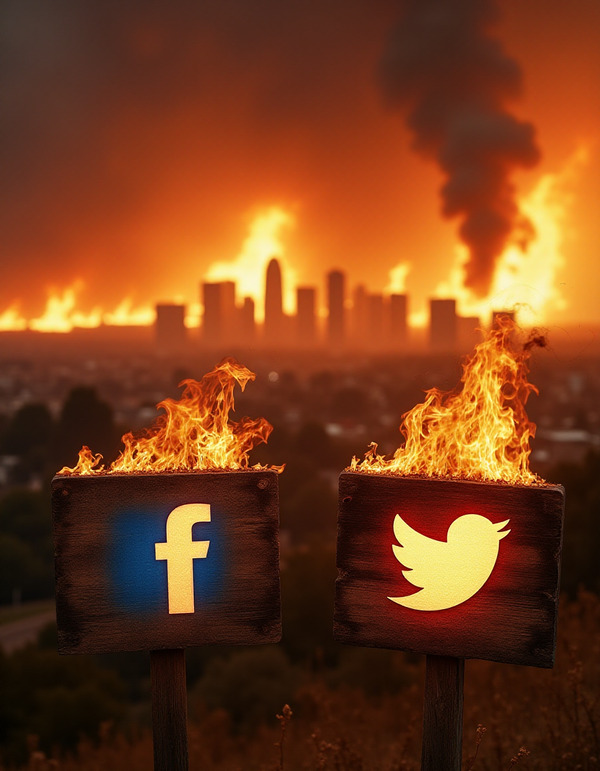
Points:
[[447, 572]]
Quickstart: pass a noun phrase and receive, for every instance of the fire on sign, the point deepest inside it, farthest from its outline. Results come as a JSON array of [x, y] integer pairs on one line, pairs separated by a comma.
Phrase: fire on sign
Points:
[[175, 544], [451, 546]]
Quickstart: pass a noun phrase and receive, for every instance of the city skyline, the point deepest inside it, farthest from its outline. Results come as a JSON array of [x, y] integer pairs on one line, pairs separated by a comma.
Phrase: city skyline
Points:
[[349, 318]]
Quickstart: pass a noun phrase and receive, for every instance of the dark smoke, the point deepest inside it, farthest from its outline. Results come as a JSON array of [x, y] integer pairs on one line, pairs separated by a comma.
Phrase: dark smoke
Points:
[[454, 81]]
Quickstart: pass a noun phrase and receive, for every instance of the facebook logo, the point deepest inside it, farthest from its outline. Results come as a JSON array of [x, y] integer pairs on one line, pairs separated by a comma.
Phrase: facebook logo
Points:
[[180, 551], [169, 560]]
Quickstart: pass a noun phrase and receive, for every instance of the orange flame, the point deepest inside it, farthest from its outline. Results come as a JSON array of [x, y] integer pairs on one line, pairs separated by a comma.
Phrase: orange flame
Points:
[[478, 432], [193, 434]]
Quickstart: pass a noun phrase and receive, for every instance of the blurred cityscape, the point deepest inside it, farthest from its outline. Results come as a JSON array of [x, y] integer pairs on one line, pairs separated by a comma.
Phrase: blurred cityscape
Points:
[[355, 397], [359, 320]]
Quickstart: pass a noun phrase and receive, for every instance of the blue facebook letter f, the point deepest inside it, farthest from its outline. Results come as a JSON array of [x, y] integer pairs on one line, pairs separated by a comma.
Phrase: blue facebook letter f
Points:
[[180, 551]]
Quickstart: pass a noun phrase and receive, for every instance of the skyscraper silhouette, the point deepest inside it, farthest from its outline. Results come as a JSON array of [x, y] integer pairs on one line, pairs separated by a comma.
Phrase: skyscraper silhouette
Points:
[[171, 333], [306, 316], [359, 329], [212, 320], [376, 307], [220, 314], [468, 332], [228, 312], [443, 326], [247, 325], [273, 329], [336, 319], [398, 320]]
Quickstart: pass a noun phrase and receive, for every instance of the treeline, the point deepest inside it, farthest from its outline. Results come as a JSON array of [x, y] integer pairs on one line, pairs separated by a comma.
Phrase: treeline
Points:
[[34, 445], [40, 444]]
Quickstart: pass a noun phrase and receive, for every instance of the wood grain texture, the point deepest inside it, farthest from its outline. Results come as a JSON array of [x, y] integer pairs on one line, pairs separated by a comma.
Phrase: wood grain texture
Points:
[[443, 714], [169, 710], [511, 619], [111, 592]]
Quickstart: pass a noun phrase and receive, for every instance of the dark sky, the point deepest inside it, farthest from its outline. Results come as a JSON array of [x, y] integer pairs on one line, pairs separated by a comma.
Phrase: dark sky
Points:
[[139, 139]]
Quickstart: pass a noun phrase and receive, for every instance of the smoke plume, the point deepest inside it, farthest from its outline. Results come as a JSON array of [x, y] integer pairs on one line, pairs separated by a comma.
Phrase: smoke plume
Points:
[[454, 81]]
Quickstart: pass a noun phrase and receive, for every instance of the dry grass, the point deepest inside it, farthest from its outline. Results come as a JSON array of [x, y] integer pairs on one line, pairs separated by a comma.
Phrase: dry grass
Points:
[[514, 717]]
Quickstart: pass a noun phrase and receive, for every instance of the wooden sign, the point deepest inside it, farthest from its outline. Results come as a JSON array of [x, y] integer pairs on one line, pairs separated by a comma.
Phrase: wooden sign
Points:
[[449, 568], [162, 561]]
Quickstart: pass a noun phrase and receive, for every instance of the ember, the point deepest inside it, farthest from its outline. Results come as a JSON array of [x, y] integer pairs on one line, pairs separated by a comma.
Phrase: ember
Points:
[[479, 432], [193, 434]]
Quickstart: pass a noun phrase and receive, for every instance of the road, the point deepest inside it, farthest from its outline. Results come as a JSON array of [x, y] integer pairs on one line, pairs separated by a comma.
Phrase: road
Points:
[[16, 634]]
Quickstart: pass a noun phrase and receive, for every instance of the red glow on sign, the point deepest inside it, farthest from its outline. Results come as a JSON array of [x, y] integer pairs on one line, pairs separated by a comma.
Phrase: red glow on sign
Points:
[[448, 572]]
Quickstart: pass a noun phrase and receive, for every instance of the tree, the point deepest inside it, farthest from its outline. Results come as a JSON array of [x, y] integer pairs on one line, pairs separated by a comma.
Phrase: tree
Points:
[[84, 419], [580, 564], [28, 429], [25, 545]]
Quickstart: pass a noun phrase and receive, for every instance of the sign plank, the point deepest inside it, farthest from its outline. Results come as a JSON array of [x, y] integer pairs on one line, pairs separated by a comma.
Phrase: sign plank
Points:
[[442, 603], [162, 561]]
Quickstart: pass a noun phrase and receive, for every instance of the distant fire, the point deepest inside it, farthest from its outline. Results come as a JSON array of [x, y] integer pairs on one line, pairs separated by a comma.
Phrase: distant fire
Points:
[[526, 277], [527, 273], [263, 242], [62, 315], [479, 432], [193, 434]]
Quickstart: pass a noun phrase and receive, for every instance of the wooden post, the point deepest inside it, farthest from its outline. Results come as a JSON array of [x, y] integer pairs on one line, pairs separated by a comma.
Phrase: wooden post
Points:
[[169, 710], [443, 714]]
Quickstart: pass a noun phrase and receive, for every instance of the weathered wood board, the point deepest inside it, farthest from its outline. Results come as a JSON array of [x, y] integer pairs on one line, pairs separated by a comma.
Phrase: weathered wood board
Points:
[[511, 618], [112, 589]]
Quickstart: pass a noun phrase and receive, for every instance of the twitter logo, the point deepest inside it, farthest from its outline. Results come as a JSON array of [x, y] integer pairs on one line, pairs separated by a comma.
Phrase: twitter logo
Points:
[[447, 572]]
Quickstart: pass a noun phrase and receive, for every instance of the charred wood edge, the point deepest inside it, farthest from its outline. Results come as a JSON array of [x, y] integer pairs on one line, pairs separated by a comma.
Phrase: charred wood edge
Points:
[[356, 474], [169, 710]]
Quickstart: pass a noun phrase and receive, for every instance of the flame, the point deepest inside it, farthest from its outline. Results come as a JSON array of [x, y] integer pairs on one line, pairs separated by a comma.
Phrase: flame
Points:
[[479, 432], [125, 315], [60, 314], [193, 434], [248, 268], [11, 320], [397, 278], [526, 277], [87, 463]]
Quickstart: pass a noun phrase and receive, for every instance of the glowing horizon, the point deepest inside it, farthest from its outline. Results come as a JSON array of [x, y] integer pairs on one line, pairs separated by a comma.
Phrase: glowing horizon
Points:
[[527, 278]]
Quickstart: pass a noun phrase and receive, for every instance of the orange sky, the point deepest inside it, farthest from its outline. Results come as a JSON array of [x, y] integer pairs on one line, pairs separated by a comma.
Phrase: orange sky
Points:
[[141, 142]]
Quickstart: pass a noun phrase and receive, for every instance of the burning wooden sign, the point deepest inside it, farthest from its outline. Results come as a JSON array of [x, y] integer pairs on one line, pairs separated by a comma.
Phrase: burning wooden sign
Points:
[[452, 546], [176, 544]]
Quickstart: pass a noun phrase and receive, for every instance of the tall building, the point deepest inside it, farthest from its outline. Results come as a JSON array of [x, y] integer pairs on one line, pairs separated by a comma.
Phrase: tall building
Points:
[[358, 327], [212, 320], [398, 320], [171, 334], [376, 321], [336, 313], [468, 332], [228, 312], [247, 323], [274, 321], [306, 316], [219, 322], [443, 326]]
